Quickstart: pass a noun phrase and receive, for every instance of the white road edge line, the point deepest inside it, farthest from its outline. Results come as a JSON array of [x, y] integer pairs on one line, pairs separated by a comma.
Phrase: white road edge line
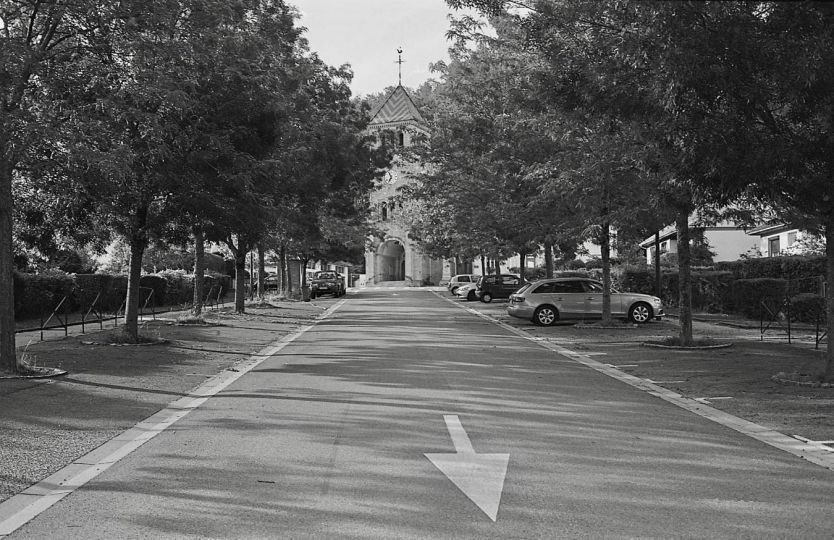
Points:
[[26, 505], [809, 452]]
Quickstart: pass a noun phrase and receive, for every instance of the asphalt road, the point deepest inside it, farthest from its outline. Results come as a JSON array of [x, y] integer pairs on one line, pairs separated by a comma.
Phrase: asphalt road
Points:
[[328, 439]]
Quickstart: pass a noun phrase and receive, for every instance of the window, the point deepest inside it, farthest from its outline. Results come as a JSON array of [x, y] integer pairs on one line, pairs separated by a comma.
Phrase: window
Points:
[[544, 288], [402, 138], [559, 287], [384, 212], [773, 248], [510, 280], [593, 286]]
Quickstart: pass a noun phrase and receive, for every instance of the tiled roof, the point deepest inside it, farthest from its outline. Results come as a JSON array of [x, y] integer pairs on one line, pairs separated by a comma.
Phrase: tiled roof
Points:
[[396, 109]]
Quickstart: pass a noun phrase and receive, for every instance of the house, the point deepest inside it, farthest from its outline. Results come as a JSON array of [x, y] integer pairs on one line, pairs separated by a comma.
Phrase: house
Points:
[[775, 238], [727, 240]]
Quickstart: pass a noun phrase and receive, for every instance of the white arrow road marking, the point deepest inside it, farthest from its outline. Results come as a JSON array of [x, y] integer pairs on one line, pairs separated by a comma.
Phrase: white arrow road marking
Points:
[[479, 476]]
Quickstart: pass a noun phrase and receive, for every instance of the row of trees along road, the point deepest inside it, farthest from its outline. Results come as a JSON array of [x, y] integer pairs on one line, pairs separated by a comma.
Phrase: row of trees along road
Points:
[[160, 120], [573, 118]]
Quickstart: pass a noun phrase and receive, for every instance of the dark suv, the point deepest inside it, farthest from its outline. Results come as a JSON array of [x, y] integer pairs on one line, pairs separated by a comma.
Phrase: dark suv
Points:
[[493, 286], [327, 283]]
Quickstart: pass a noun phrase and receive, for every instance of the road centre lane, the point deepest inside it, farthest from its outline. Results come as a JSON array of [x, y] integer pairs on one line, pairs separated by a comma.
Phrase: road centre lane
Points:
[[328, 439]]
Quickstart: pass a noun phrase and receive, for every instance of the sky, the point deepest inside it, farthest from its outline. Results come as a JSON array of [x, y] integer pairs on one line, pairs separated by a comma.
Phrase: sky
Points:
[[367, 33]]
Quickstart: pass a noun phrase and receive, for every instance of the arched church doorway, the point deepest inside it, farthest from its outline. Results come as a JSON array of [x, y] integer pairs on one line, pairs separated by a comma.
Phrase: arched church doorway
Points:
[[391, 261]]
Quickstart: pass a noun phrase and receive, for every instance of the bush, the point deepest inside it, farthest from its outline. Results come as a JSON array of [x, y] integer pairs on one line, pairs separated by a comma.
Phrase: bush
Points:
[[792, 268], [159, 286], [576, 264], [710, 289], [180, 287], [591, 264], [809, 308], [112, 289], [754, 297], [635, 279], [40, 294]]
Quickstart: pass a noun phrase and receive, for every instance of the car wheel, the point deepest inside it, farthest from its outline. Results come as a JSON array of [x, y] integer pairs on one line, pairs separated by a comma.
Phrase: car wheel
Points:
[[640, 313], [471, 296], [545, 316], [486, 298], [453, 290]]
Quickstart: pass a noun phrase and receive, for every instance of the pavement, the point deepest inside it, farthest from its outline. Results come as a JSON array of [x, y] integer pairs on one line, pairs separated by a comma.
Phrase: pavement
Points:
[[49, 423]]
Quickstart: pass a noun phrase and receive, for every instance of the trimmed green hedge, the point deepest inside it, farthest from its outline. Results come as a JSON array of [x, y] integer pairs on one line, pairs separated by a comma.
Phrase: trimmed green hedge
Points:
[[754, 297], [789, 268], [710, 289], [808, 308], [39, 294]]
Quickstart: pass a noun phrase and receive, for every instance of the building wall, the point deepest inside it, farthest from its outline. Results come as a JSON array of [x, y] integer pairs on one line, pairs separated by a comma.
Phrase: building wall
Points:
[[785, 239]]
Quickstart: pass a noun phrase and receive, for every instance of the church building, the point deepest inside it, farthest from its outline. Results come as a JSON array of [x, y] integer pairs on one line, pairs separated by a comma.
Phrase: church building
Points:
[[393, 257]]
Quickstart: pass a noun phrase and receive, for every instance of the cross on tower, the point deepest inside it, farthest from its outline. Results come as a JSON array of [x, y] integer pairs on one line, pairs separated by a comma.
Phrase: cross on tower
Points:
[[400, 62]]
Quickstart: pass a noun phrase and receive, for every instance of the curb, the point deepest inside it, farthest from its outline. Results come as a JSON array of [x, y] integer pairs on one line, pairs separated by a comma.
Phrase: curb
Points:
[[684, 348]]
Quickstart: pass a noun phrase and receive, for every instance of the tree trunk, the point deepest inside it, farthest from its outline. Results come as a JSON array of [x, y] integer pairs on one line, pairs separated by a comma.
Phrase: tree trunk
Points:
[[657, 282], [199, 270], [240, 280], [138, 242], [684, 277], [282, 262], [261, 270], [289, 277], [483, 266], [605, 252], [497, 265], [548, 259], [829, 298], [8, 357], [522, 262]]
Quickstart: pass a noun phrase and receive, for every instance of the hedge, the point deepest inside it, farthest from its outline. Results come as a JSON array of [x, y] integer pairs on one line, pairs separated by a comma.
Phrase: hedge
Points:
[[754, 297], [809, 308], [709, 288], [790, 268], [40, 294]]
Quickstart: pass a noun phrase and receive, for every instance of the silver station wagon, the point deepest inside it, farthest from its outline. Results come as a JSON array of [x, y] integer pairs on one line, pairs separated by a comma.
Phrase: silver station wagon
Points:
[[550, 300]]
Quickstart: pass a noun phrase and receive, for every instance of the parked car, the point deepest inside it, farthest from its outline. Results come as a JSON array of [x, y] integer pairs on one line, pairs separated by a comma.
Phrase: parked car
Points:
[[459, 280], [467, 291], [327, 282], [497, 286], [550, 300]]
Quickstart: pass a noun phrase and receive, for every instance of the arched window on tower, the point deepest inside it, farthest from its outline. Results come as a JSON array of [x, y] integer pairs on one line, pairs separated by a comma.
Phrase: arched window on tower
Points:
[[384, 212], [402, 138]]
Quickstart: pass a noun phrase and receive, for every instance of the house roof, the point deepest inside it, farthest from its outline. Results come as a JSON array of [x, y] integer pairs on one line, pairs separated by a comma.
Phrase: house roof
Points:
[[670, 231], [770, 228], [397, 109]]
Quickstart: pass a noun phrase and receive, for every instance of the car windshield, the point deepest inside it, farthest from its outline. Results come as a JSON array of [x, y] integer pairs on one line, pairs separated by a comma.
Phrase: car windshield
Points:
[[326, 275]]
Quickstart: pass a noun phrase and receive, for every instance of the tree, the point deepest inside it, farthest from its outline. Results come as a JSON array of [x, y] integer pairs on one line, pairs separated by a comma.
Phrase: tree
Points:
[[44, 50], [683, 73], [792, 105]]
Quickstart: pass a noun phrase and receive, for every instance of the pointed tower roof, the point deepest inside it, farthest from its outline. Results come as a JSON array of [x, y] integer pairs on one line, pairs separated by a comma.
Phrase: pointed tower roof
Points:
[[396, 110]]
